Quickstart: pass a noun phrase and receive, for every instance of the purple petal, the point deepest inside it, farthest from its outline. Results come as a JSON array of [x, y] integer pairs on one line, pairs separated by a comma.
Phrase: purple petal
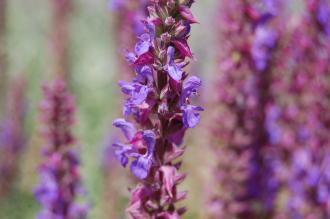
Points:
[[151, 29], [141, 47], [175, 72], [130, 57], [47, 192], [190, 117], [140, 94], [126, 127], [145, 71], [170, 55], [126, 88], [192, 83], [121, 153], [190, 86], [149, 139], [141, 166]]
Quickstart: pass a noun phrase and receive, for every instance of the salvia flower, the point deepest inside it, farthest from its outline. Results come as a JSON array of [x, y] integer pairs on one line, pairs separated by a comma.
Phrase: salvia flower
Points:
[[159, 100], [59, 172], [304, 119], [247, 188]]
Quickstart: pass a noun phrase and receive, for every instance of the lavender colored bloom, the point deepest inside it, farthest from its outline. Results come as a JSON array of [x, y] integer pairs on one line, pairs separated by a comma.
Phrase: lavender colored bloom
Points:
[[190, 86], [159, 100], [305, 120], [59, 173], [173, 69], [143, 45], [190, 116], [246, 159], [127, 128], [137, 97], [137, 142]]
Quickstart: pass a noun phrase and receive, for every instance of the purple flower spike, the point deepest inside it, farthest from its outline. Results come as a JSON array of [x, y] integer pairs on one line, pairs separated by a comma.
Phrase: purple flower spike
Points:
[[59, 173], [247, 161], [305, 115], [159, 101]]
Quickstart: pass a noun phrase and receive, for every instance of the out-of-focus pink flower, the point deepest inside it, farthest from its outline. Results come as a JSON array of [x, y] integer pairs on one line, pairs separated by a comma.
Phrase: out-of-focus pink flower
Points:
[[59, 172], [245, 168]]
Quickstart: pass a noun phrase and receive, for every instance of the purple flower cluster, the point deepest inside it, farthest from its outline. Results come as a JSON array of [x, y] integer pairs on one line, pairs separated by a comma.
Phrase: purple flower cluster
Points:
[[159, 100], [304, 118], [247, 187], [12, 135], [59, 173]]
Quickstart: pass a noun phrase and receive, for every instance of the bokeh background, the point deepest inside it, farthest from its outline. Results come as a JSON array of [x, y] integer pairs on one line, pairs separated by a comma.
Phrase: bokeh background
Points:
[[93, 78], [93, 75]]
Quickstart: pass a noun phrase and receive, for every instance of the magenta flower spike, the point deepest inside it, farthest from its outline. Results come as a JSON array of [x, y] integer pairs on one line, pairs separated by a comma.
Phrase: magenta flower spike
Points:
[[304, 115], [60, 183], [245, 165], [159, 101], [128, 14]]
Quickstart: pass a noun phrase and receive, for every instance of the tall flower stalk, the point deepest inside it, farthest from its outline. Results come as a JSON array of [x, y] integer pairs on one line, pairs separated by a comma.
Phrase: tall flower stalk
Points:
[[128, 26], [59, 172], [304, 121], [12, 135], [61, 10], [245, 168], [3, 79], [158, 99]]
